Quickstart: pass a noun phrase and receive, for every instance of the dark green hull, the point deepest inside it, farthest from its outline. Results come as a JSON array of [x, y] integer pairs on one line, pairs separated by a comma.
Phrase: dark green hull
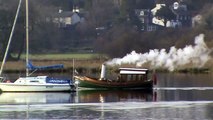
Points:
[[86, 82]]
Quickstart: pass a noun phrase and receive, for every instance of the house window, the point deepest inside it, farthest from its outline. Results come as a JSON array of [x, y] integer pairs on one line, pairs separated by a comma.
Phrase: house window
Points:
[[154, 28], [142, 28], [149, 28], [142, 13], [134, 78], [142, 20]]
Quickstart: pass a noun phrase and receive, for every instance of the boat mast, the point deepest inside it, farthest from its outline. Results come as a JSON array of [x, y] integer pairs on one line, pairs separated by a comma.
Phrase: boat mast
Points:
[[73, 68], [27, 37], [10, 38]]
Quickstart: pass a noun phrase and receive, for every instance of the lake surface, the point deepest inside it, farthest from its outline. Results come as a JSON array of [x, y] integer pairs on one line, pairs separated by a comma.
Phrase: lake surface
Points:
[[177, 96]]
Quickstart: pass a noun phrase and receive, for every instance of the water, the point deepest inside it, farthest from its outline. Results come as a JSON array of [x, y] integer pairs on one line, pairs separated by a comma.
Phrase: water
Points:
[[177, 96]]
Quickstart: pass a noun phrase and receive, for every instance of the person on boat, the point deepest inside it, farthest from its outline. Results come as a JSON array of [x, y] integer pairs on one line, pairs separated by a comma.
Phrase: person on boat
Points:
[[118, 77], [8, 81]]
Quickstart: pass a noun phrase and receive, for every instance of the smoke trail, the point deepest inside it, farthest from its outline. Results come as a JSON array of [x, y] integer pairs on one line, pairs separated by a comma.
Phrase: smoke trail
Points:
[[196, 55]]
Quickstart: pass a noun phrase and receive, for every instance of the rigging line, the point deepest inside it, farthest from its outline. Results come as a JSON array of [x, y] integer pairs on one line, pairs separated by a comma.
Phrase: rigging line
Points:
[[10, 38]]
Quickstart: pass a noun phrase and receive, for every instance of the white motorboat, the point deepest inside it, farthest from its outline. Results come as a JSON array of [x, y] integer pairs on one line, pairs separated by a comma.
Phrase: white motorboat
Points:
[[37, 84]]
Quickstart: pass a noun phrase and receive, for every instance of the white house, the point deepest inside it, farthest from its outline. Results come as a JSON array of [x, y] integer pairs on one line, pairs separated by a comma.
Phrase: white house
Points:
[[67, 18], [156, 20], [183, 16], [157, 7], [145, 16], [173, 23]]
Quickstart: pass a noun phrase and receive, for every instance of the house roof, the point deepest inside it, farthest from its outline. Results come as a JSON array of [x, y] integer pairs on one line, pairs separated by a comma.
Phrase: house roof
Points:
[[67, 14], [180, 12], [145, 12], [133, 71]]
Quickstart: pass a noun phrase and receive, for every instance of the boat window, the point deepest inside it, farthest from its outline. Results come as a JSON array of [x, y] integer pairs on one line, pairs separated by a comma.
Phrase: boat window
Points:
[[123, 77], [145, 77], [137, 77], [34, 81], [129, 77], [134, 77], [141, 77]]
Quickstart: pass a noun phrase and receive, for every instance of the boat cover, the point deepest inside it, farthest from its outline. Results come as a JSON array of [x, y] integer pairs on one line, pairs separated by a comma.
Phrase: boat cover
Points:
[[30, 66], [57, 80]]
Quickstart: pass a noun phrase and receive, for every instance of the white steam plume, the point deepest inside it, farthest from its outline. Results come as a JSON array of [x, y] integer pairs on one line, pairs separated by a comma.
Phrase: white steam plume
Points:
[[197, 55]]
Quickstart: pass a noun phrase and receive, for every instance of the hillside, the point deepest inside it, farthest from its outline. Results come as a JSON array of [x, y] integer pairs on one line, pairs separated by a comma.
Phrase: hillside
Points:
[[108, 26]]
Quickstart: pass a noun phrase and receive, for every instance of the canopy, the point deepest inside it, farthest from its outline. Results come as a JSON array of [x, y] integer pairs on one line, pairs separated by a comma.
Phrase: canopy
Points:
[[30, 66]]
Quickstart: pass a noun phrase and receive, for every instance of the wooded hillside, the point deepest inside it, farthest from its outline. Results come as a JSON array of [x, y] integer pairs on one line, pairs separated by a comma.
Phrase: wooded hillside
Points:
[[119, 36]]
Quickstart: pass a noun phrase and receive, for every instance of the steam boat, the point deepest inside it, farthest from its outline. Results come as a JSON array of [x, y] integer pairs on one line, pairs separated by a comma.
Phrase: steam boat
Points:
[[128, 78]]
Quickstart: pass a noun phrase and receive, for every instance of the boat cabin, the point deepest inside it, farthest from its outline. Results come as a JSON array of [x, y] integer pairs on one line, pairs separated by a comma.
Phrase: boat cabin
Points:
[[42, 80], [133, 74]]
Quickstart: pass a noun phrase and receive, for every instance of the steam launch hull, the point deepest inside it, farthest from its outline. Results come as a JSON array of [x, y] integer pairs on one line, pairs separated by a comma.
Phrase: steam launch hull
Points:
[[92, 83]]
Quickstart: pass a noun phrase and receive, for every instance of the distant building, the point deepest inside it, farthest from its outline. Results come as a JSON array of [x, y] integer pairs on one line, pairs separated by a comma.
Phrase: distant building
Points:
[[157, 7], [183, 16], [145, 16], [66, 19], [157, 20]]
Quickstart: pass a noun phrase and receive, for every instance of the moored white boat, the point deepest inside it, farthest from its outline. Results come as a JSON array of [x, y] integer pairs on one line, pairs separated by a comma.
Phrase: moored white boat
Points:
[[38, 84]]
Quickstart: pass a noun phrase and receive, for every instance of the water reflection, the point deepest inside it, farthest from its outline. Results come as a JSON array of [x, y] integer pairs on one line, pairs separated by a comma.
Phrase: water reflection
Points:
[[82, 96], [105, 104], [183, 94], [102, 96], [177, 96], [106, 96], [36, 98], [183, 110]]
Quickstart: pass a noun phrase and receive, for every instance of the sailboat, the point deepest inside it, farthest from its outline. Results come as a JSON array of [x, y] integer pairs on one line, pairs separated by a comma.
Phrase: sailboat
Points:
[[28, 83]]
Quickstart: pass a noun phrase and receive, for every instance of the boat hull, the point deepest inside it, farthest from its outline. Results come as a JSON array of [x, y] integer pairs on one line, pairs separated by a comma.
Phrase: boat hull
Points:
[[87, 83], [12, 87]]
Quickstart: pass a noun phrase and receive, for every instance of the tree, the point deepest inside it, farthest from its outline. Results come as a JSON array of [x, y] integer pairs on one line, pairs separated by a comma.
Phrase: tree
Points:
[[119, 41], [101, 12], [7, 13], [144, 4], [197, 5], [207, 20]]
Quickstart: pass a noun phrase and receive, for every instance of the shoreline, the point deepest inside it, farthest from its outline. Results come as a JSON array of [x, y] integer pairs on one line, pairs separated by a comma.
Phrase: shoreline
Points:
[[85, 66]]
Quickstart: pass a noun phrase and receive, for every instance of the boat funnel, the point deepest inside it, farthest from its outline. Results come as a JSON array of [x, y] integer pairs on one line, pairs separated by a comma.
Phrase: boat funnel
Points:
[[103, 72], [154, 79]]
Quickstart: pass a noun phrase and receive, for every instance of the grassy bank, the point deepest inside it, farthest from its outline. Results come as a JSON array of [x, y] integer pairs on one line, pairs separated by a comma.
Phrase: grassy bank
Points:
[[90, 65], [64, 56], [19, 66], [86, 63], [82, 62]]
